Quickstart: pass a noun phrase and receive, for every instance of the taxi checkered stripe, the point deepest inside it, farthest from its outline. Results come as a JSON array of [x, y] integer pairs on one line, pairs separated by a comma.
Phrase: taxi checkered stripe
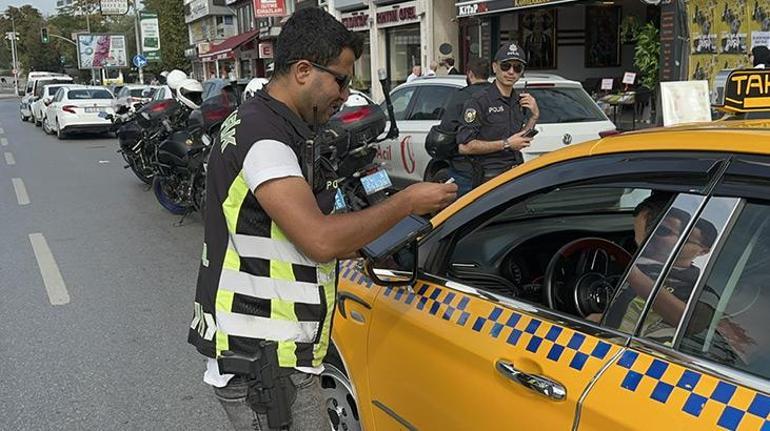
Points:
[[348, 271], [514, 328], [693, 392]]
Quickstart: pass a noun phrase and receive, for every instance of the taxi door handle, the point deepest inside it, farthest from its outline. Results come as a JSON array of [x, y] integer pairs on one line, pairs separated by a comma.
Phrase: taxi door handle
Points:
[[540, 384], [344, 296]]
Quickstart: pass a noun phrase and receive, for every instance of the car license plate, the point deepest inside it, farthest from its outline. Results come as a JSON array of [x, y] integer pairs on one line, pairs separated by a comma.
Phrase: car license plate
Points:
[[92, 110], [376, 182]]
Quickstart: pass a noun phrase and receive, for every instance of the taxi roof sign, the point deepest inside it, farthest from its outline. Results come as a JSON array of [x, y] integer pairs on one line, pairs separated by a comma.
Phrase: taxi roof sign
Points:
[[747, 91]]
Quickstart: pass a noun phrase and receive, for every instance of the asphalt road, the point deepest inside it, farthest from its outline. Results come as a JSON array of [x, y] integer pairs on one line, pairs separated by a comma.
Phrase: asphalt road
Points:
[[103, 346]]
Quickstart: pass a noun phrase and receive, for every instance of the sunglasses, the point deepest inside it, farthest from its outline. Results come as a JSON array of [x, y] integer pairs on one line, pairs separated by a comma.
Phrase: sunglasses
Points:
[[517, 67], [342, 80]]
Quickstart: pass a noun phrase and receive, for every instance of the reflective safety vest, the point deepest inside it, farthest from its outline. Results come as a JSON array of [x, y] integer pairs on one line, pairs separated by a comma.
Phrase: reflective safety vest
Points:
[[253, 283]]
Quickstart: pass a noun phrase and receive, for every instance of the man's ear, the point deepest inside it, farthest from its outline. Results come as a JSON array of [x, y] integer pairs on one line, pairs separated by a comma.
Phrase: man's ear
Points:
[[302, 72]]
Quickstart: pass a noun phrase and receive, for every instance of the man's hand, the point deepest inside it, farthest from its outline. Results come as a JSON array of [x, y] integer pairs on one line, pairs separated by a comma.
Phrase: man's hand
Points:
[[527, 101], [427, 198], [518, 141]]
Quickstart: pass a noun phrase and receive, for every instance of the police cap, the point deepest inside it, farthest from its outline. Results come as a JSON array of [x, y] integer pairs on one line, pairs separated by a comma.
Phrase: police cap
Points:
[[510, 51]]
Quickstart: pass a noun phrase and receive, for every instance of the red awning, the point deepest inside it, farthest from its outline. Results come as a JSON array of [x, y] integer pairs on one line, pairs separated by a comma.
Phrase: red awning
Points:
[[229, 44]]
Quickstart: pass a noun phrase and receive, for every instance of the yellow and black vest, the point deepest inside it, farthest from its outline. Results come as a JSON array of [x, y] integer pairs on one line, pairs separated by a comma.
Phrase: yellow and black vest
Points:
[[254, 284]]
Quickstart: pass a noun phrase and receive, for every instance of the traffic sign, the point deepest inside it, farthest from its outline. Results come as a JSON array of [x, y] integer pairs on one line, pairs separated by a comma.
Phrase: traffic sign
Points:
[[140, 61]]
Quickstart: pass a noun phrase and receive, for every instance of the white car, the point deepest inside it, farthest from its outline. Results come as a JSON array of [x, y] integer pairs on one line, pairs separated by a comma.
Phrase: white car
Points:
[[162, 92], [132, 94], [34, 90], [40, 105], [568, 115], [77, 110]]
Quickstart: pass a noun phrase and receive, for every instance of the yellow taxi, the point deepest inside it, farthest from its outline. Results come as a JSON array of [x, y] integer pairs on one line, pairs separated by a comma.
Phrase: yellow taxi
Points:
[[622, 283]]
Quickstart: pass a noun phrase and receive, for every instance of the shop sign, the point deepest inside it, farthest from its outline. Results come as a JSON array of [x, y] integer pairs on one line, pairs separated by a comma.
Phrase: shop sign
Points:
[[263, 8], [113, 7], [251, 54], [471, 8], [355, 21], [747, 90], [195, 10], [266, 50], [399, 14], [204, 47]]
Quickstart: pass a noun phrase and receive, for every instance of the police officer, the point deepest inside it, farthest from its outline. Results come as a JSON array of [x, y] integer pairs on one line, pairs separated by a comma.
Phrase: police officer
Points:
[[267, 279], [492, 133], [477, 77]]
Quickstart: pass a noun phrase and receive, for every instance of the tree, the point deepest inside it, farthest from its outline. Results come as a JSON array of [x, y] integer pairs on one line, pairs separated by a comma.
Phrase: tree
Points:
[[32, 52], [173, 34]]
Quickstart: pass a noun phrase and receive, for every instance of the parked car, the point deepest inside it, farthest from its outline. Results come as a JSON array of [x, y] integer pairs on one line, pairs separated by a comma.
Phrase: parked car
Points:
[[34, 90], [133, 94], [568, 116], [162, 92], [215, 86], [39, 106], [77, 110], [615, 284]]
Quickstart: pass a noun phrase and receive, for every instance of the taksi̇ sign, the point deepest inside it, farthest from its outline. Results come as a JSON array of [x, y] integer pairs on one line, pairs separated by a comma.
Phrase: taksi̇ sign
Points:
[[150, 31], [399, 14], [747, 90], [113, 7], [266, 8]]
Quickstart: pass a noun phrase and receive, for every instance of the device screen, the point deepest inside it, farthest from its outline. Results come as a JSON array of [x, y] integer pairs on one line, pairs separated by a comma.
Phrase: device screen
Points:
[[406, 230]]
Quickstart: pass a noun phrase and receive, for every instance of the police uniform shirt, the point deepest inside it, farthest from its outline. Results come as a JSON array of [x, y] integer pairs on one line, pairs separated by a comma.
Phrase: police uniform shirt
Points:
[[453, 114], [490, 116]]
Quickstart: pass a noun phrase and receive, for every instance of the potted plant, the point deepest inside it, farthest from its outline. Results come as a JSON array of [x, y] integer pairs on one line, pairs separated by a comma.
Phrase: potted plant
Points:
[[646, 55]]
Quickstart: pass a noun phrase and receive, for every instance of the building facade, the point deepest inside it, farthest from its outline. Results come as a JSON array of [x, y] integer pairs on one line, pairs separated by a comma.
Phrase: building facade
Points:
[[208, 22]]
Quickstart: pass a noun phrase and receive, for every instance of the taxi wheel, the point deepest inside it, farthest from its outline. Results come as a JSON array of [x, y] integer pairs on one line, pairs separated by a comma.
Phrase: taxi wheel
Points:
[[337, 392]]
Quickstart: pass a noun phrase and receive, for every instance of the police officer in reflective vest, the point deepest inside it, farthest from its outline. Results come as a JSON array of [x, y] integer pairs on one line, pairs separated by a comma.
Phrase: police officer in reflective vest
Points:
[[266, 288], [495, 124]]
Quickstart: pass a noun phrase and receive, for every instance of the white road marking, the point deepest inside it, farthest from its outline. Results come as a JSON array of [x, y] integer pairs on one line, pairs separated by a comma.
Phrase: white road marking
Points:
[[54, 283], [9, 160], [4, 142], [21, 191]]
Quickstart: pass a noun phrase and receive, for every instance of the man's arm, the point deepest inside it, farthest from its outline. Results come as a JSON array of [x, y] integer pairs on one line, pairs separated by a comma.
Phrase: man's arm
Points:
[[291, 204], [467, 142]]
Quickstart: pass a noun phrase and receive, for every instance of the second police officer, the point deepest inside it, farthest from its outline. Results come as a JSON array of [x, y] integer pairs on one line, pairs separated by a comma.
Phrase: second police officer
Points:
[[495, 126]]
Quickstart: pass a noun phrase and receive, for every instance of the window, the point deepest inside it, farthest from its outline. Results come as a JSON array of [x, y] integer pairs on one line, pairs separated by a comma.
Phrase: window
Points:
[[730, 319], [565, 105], [137, 92], [430, 102], [573, 242], [686, 269], [401, 99], [53, 89], [89, 94], [403, 51]]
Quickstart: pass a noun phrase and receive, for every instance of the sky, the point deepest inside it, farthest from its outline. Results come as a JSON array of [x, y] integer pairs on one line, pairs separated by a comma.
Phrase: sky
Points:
[[47, 7]]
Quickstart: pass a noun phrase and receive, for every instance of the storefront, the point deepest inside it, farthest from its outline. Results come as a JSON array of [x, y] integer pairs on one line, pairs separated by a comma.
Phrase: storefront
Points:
[[360, 22], [580, 40], [234, 58], [400, 25]]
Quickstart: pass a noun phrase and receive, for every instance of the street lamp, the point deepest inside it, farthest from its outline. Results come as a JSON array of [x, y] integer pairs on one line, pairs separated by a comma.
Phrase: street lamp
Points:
[[13, 38]]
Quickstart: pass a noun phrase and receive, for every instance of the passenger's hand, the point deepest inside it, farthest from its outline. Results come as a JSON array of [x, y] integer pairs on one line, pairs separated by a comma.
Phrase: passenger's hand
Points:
[[527, 101], [427, 198], [518, 141]]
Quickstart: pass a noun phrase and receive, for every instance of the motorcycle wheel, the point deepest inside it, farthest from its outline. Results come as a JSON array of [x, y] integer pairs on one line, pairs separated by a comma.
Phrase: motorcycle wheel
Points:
[[140, 173], [158, 187]]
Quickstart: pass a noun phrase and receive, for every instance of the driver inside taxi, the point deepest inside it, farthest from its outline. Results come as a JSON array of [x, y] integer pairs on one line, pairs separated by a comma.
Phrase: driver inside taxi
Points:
[[670, 303]]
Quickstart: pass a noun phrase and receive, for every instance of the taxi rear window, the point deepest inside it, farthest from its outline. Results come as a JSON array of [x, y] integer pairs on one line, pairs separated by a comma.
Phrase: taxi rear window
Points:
[[565, 105]]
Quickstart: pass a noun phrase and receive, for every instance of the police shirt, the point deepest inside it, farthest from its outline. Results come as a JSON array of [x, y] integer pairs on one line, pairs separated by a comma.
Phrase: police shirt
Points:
[[453, 114], [490, 116]]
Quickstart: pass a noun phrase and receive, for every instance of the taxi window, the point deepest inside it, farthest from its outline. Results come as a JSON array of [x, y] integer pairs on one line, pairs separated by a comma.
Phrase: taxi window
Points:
[[687, 269], [401, 99], [430, 101], [664, 225], [730, 320]]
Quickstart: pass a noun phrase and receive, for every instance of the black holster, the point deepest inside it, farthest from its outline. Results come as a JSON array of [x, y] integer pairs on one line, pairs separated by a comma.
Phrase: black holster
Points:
[[271, 391]]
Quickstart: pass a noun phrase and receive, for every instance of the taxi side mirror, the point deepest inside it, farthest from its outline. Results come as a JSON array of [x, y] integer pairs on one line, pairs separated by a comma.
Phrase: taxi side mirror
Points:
[[398, 269]]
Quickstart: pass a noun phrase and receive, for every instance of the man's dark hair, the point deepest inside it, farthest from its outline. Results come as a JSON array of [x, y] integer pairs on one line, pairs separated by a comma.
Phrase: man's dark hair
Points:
[[312, 34], [708, 232], [449, 61], [479, 67]]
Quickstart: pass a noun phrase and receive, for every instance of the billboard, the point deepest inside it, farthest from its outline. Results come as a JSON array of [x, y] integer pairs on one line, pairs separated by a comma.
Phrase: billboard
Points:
[[96, 51], [148, 23], [113, 7]]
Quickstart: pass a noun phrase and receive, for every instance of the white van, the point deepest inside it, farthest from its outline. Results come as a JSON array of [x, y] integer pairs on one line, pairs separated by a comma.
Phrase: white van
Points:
[[34, 90]]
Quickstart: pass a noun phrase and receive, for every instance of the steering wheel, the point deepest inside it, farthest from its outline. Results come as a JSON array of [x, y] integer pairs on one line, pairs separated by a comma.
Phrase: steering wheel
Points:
[[583, 275]]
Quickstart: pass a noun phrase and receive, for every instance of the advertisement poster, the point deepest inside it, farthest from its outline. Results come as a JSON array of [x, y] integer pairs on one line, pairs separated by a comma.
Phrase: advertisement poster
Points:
[[537, 36], [760, 38], [685, 102], [150, 35], [733, 27], [702, 32], [602, 36], [266, 8], [96, 51]]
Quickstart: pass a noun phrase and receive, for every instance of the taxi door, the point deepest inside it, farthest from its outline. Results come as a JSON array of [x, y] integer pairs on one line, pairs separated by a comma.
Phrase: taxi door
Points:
[[448, 357]]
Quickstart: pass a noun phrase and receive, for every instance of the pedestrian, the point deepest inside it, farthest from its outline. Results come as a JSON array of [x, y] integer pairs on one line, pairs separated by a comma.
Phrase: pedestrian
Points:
[[416, 72], [495, 125], [760, 57], [477, 76], [267, 279], [431, 69], [450, 65]]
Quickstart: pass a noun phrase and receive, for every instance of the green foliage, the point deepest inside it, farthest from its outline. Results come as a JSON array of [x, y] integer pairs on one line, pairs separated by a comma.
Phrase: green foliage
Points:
[[173, 35], [647, 55]]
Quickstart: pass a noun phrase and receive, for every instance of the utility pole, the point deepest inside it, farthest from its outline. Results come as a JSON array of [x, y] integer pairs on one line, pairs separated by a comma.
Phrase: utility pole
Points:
[[88, 29], [138, 39], [14, 57]]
